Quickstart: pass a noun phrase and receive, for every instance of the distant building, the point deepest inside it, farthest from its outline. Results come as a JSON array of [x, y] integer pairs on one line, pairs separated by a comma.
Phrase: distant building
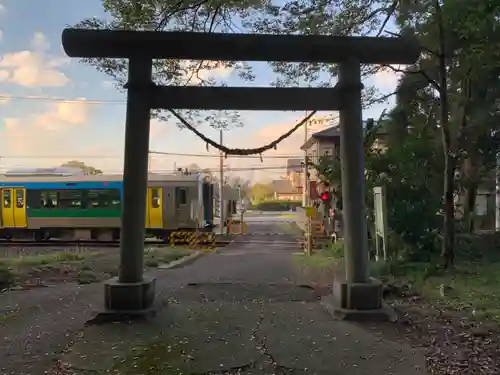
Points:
[[285, 190], [327, 142]]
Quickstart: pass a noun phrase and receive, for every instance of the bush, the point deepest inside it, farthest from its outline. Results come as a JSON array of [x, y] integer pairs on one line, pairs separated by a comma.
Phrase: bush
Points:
[[7, 277], [335, 250], [277, 205]]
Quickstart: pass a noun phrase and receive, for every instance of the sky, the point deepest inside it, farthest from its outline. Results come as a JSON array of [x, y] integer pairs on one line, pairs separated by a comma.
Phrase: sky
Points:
[[54, 109]]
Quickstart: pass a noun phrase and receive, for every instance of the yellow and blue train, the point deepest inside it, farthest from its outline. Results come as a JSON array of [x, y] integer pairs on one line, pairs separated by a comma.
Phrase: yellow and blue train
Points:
[[84, 207]]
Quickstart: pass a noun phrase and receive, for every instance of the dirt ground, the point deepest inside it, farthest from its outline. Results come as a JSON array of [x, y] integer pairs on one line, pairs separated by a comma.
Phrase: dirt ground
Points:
[[456, 341], [37, 267]]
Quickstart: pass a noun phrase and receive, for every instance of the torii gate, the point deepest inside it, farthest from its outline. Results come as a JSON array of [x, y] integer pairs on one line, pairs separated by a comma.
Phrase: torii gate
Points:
[[132, 291]]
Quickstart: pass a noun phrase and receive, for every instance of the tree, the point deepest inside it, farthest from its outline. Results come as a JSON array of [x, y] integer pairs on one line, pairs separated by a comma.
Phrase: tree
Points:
[[185, 15], [260, 191], [240, 183], [81, 165], [450, 94]]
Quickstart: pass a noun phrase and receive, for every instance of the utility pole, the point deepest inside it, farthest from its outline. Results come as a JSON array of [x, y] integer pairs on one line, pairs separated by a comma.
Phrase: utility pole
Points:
[[305, 188], [221, 188]]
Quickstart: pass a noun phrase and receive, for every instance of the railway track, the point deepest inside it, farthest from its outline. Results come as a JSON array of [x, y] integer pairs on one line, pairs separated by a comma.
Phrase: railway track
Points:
[[62, 243]]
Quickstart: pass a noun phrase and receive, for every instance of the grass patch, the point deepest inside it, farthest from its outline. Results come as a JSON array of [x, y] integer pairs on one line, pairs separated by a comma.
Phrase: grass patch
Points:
[[7, 276], [45, 259], [154, 256], [473, 288], [470, 287]]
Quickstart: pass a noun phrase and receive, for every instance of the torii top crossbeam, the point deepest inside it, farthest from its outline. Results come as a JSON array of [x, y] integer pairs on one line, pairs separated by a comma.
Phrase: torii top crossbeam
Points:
[[238, 47]]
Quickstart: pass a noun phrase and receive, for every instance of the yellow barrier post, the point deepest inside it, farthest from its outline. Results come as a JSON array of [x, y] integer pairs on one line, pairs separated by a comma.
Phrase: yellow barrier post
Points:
[[308, 240]]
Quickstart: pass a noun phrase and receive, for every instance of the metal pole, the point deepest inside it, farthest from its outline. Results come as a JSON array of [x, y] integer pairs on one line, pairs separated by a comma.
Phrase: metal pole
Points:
[[353, 173], [221, 187], [135, 171]]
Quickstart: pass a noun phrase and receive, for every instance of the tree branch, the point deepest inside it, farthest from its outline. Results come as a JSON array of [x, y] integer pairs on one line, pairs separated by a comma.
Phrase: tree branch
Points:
[[390, 12], [420, 71]]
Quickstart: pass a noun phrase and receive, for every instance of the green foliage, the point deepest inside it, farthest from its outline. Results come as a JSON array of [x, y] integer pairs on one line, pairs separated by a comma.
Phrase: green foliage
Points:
[[184, 15], [7, 276], [277, 205], [328, 169], [335, 250], [260, 191], [412, 188]]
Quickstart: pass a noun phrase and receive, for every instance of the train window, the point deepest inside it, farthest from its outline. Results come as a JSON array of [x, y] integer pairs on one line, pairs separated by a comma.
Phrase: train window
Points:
[[180, 196], [102, 198], [19, 198], [155, 198], [48, 199], [69, 199], [114, 198], [7, 199], [33, 199]]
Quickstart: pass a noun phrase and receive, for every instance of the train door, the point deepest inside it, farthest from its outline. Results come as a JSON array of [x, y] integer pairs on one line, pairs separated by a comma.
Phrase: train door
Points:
[[155, 209], [148, 209], [14, 208]]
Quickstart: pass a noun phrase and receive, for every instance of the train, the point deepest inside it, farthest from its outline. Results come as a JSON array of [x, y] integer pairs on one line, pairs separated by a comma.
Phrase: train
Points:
[[78, 206]]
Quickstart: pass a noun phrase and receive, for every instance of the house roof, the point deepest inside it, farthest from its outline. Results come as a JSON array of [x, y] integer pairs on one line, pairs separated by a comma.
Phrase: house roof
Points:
[[284, 187], [328, 133], [331, 132]]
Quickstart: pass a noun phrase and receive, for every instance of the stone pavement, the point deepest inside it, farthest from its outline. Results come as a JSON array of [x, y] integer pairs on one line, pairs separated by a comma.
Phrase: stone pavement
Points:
[[240, 312]]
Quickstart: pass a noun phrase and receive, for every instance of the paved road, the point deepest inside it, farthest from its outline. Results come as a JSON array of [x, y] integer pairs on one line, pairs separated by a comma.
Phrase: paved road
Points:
[[269, 217], [238, 311]]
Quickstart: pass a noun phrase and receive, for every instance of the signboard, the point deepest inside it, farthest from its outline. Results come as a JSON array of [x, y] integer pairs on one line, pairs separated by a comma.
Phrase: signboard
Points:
[[380, 221], [310, 211]]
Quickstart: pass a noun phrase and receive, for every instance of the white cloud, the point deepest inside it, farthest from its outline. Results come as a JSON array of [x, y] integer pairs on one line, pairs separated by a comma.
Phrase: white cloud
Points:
[[45, 132], [66, 129], [3, 9], [1, 35], [33, 68], [39, 42]]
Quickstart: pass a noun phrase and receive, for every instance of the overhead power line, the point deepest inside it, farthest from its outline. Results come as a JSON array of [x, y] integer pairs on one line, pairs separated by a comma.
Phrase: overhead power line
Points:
[[228, 156], [45, 99], [242, 169], [159, 153]]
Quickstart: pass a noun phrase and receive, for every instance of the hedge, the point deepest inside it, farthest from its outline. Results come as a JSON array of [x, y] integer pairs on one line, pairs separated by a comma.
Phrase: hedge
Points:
[[277, 205]]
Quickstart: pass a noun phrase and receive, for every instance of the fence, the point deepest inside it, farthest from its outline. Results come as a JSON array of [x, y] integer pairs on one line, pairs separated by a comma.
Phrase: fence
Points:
[[193, 239]]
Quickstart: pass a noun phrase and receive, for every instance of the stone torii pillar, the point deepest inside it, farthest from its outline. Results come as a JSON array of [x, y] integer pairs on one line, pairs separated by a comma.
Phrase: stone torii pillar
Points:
[[354, 296]]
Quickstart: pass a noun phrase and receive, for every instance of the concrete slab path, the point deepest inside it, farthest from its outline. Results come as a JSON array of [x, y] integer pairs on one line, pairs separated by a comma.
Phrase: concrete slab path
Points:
[[239, 311]]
